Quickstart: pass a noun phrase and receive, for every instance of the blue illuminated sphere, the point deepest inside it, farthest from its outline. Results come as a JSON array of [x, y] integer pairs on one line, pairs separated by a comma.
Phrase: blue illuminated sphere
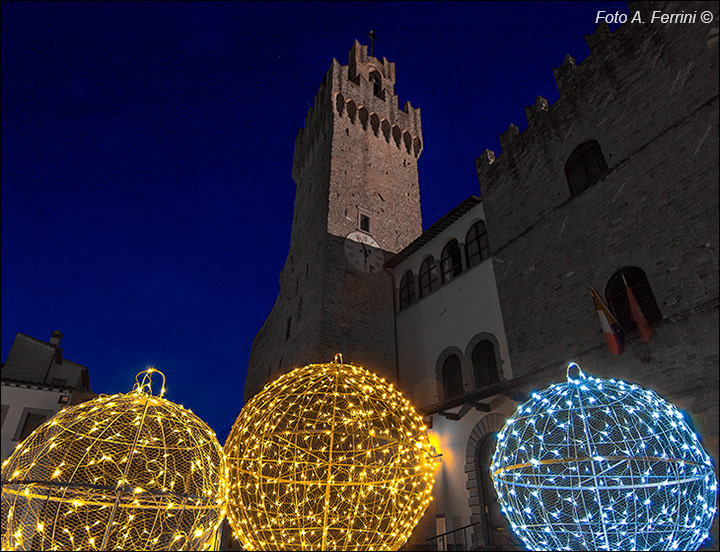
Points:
[[594, 464]]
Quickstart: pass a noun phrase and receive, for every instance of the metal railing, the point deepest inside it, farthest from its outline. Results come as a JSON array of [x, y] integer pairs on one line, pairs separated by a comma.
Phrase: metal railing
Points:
[[443, 543]]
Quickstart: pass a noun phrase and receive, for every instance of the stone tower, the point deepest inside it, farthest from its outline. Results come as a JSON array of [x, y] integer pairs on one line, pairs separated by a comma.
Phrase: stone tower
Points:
[[357, 202]]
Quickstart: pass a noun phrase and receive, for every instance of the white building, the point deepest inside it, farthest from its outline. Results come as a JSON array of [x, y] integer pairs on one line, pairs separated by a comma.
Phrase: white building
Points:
[[454, 364], [37, 382]]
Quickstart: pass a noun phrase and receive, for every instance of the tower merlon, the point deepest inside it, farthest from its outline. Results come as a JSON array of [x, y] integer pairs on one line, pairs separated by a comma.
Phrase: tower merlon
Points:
[[536, 110], [483, 165], [565, 73], [360, 63], [600, 37], [508, 136]]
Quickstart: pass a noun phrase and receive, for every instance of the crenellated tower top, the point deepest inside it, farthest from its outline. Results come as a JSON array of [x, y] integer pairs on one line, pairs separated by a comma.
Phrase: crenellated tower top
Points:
[[364, 89], [362, 150]]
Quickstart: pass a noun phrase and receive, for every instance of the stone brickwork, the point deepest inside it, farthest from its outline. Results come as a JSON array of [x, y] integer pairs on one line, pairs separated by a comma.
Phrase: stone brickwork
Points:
[[357, 155], [648, 94]]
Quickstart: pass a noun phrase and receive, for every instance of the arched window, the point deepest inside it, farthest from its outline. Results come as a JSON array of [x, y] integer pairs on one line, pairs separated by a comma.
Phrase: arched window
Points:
[[428, 276], [451, 261], [476, 244], [452, 377], [407, 290], [376, 79], [484, 364], [585, 166], [617, 298]]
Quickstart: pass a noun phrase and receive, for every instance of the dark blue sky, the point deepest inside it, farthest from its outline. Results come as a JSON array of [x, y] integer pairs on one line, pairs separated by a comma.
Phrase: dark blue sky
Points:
[[147, 150]]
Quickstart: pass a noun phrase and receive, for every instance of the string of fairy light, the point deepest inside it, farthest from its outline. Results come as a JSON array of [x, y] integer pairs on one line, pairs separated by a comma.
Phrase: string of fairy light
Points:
[[328, 457], [126, 471], [332, 457], [594, 464]]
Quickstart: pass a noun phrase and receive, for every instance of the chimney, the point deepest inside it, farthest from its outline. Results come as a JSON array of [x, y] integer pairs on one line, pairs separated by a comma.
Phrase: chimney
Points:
[[55, 338]]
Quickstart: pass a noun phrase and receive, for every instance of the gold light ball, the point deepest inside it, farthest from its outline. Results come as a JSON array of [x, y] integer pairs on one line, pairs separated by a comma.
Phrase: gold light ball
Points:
[[128, 471], [328, 457]]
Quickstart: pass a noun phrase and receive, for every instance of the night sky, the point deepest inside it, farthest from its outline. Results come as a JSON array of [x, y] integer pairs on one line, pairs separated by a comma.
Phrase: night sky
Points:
[[147, 150]]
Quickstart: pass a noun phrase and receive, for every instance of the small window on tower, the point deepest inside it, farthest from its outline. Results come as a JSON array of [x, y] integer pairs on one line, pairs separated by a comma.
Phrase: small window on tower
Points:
[[364, 223], [288, 328], [376, 79]]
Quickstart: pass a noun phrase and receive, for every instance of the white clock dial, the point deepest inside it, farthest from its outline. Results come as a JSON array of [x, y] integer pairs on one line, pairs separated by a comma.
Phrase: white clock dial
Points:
[[363, 252]]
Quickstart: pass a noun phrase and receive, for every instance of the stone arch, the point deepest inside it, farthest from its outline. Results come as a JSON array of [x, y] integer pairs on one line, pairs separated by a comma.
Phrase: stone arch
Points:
[[340, 104], [476, 339], [386, 130], [375, 123], [451, 262], [396, 135], [407, 140], [352, 111], [417, 146], [444, 355], [616, 297], [479, 484], [376, 78], [585, 167], [363, 115]]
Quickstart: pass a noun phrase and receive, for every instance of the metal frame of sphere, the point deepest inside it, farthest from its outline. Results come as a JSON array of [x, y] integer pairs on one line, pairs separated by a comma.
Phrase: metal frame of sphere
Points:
[[596, 464], [328, 457], [128, 471]]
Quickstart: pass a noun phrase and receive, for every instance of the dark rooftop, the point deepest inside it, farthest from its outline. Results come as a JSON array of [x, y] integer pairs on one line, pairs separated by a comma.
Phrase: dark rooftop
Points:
[[441, 224]]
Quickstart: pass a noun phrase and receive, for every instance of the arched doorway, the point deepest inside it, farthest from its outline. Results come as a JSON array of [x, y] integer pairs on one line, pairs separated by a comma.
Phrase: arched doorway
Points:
[[490, 530], [496, 530]]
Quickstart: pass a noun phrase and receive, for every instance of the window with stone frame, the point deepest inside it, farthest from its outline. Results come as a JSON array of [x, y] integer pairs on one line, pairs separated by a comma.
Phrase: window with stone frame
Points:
[[452, 378], [32, 421], [451, 261], [476, 244], [484, 364], [407, 289], [617, 299], [364, 223], [428, 276], [585, 167]]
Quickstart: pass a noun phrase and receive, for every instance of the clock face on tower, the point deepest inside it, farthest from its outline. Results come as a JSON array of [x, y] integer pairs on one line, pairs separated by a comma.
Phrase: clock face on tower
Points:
[[363, 252]]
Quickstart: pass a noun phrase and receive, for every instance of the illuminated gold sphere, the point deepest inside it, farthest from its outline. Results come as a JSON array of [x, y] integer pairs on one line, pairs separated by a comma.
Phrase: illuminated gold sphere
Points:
[[328, 457], [128, 471]]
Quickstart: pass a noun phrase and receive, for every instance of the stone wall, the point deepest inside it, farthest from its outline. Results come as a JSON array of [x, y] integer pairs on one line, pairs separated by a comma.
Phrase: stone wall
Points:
[[357, 155], [648, 94]]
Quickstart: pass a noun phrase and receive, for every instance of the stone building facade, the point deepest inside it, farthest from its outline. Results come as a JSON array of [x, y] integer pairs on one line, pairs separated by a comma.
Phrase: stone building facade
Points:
[[617, 179], [357, 202]]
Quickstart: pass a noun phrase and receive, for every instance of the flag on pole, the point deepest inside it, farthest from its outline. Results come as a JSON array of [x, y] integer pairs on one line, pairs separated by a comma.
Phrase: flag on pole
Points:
[[614, 335], [637, 315]]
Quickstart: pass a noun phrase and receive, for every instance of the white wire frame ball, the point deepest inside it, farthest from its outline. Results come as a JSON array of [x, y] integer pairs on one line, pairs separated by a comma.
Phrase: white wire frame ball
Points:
[[601, 464], [130, 471], [328, 457]]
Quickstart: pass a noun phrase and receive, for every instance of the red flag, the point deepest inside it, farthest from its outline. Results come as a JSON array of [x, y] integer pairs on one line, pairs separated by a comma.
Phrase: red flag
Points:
[[637, 315], [614, 335]]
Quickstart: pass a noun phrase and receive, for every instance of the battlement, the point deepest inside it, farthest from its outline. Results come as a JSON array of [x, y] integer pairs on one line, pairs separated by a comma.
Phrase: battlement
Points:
[[363, 93], [636, 85], [639, 44]]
